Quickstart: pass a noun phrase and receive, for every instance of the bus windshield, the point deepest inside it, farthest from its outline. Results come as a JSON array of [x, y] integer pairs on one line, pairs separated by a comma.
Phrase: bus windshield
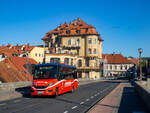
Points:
[[45, 72]]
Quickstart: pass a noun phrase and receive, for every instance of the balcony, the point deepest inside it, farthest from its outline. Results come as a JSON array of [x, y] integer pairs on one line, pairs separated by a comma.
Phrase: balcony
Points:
[[71, 47], [89, 68]]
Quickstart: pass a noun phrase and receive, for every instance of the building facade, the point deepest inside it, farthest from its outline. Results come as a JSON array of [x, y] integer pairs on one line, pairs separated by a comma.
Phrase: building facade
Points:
[[115, 65], [75, 42]]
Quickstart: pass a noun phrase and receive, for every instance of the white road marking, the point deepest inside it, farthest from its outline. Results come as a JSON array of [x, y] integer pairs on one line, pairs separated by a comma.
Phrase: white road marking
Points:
[[65, 111], [2, 104], [82, 103], [98, 93], [87, 99], [95, 95], [92, 97], [17, 101], [74, 107]]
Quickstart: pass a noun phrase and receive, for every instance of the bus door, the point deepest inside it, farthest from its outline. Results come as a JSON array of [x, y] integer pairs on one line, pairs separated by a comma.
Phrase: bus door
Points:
[[68, 82]]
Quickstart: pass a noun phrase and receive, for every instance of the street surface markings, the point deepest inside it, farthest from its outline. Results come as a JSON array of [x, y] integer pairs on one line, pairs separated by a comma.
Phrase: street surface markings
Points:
[[92, 97], [17, 101], [87, 99], [74, 107], [65, 111], [95, 95], [82, 103], [2, 104]]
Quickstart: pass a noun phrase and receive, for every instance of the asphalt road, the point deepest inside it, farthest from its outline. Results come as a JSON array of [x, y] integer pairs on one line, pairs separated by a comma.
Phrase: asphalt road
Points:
[[78, 102]]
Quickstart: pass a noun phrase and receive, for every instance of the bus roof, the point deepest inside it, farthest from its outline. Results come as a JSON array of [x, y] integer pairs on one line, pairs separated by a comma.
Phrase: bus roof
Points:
[[54, 64]]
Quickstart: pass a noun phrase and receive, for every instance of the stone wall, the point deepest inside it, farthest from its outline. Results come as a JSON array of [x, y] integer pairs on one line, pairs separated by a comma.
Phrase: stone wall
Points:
[[14, 85], [144, 93]]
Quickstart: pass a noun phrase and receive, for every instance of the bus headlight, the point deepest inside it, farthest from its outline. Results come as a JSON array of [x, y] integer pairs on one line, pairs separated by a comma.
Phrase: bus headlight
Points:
[[51, 83]]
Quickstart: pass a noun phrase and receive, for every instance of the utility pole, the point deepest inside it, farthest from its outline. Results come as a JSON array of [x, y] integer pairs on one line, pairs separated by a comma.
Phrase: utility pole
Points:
[[140, 50]]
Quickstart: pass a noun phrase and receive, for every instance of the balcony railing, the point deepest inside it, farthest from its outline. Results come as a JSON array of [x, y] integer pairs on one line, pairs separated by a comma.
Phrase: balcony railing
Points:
[[71, 47], [90, 67]]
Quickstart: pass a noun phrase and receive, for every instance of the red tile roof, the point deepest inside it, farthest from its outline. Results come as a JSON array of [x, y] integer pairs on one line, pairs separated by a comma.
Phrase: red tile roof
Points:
[[12, 69], [115, 59], [134, 60], [77, 27], [18, 49]]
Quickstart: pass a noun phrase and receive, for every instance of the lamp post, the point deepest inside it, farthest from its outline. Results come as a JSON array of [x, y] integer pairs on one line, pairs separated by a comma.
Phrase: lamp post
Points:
[[140, 50]]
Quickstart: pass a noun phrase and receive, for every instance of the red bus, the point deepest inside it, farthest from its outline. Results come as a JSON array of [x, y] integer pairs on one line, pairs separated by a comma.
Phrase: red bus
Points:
[[53, 79]]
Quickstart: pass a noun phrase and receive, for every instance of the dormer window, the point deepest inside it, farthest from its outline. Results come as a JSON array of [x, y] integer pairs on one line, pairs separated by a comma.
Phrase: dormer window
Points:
[[68, 31], [78, 31], [3, 55]]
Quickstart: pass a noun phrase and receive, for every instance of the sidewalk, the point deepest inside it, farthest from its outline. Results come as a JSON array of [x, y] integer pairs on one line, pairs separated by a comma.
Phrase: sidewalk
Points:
[[123, 99]]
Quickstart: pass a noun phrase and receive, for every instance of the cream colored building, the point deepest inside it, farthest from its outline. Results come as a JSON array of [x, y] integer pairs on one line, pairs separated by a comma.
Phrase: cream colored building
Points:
[[79, 43], [37, 53], [115, 65]]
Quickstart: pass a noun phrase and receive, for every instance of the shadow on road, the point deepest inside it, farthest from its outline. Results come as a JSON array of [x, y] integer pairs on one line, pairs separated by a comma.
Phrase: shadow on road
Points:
[[25, 91]]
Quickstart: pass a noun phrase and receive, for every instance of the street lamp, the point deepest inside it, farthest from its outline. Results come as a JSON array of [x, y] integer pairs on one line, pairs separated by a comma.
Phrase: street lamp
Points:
[[140, 50]]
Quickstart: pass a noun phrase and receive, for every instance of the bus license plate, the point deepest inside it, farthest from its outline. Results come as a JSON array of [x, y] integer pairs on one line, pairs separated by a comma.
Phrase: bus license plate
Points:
[[40, 92]]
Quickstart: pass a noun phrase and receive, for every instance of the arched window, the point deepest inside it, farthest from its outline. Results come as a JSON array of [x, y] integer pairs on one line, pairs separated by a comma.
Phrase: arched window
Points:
[[69, 42], [79, 63], [66, 60], [78, 42]]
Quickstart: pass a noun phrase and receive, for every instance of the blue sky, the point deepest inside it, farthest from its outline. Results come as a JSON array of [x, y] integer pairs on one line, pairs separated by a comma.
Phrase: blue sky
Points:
[[123, 24]]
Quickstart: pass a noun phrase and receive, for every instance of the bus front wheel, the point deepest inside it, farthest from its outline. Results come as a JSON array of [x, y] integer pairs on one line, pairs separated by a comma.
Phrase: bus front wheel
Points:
[[72, 89], [56, 92]]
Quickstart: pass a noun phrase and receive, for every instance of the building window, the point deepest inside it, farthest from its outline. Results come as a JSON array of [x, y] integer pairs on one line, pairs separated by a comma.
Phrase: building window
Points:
[[77, 42], [3, 55], [126, 67], [68, 31], [90, 51], [110, 67], [78, 31], [106, 67], [46, 44], [79, 63], [94, 41], [94, 51], [116, 67], [121, 67], [79, 75], [55, 60], [69, 42], [39, 55], [87, 62], [90, 40], [71, 61], [66, 60], [35, 54]]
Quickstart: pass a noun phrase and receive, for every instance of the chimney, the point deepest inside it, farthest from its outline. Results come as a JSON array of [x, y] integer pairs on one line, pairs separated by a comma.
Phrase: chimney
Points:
[[113, 53]]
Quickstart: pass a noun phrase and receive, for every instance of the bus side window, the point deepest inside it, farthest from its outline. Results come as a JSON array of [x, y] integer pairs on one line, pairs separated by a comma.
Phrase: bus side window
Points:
[[75, 74]]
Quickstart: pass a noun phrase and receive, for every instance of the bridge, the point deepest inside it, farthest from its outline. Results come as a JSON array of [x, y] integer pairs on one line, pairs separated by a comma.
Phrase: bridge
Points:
[[92, 96]]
